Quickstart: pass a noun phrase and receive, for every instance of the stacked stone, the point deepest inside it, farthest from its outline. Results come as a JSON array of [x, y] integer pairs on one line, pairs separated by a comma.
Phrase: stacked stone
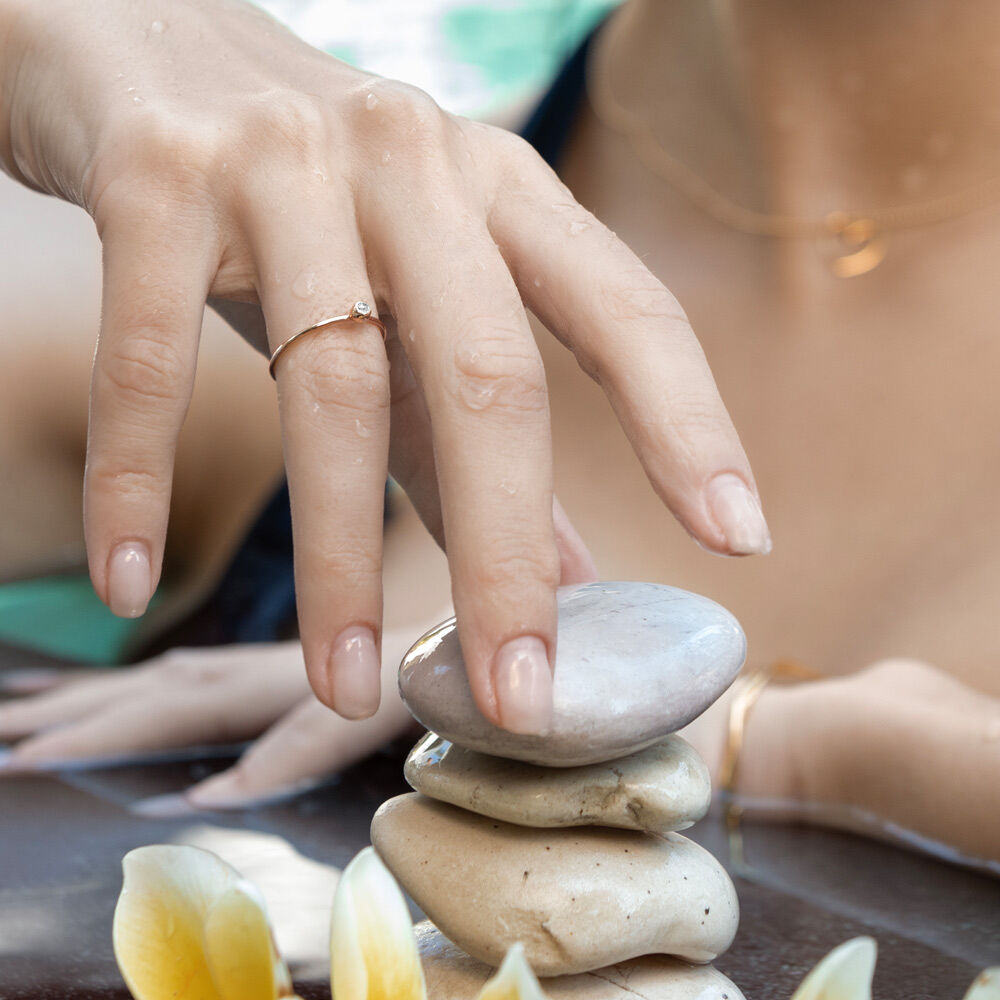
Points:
[[568, 843]]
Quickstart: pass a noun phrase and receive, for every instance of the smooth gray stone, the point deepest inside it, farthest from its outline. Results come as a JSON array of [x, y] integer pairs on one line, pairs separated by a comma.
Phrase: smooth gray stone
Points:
[[664, 788], [577, 900], [453, 975], [635, 662]]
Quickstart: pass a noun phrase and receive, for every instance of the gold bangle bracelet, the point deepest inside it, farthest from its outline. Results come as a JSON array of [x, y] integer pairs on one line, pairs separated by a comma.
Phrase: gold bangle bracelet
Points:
[[745, 693]]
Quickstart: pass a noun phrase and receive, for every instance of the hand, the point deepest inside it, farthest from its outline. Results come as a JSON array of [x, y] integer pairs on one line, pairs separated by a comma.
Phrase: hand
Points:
[[221, 157], [192, 698], [899, 748]]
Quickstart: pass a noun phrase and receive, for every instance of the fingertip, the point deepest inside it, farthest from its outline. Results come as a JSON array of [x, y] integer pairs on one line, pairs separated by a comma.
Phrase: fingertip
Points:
[[736, 514], [129, 585], [354, 681], [222, 791], [522, 679]]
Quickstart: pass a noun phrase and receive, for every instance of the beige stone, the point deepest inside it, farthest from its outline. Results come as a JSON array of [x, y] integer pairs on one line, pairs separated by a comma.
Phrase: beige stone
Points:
[[453, 975], [662, 788], [577, 899]]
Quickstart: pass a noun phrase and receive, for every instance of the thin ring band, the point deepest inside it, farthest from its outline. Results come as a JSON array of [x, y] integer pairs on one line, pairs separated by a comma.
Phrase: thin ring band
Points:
[[361, 312]]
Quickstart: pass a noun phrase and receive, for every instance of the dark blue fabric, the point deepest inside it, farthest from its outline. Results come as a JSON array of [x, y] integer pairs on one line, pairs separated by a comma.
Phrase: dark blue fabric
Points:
[[549, 126], [255, 600]]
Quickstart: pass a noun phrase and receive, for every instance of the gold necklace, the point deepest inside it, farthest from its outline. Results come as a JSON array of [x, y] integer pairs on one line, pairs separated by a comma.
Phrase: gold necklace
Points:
[[861, 236]]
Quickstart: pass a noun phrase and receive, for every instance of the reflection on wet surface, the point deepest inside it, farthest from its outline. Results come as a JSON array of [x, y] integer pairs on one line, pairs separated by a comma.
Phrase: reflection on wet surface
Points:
[[803, 890]]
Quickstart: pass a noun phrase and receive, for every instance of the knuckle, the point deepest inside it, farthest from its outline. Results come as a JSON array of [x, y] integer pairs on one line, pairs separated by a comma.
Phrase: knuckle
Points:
[[145, 365], [162, 151], [640, 298], [508, 570], [125, 482], [345, 375], [498, 368], [354, 567], [399, 108]]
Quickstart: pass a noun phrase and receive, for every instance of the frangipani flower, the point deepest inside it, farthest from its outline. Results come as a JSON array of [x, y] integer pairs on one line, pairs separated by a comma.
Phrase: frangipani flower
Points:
[[986, 986], [845, 974], [188, 927], [373, 953], [514, 980]]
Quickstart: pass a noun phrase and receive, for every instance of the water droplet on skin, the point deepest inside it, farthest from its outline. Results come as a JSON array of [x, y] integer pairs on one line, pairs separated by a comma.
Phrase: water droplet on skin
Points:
[[479, 398], [412, 335], [143, 279], [130, 90], [538, 282], [315, 407], [304, 286], [139, 100], [508, 489], [359, 460], [157, 27], [321, 175], [362, 431], [575, 228], [386, 156], [371, 102], [435, 206]]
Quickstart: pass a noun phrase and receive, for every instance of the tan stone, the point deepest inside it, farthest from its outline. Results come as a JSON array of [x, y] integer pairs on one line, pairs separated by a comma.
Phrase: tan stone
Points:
[[662, 788], [453, 975], [577, 899]]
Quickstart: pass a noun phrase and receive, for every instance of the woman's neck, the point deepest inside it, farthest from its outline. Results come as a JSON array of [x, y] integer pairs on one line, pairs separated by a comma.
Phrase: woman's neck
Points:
[[806, 108]]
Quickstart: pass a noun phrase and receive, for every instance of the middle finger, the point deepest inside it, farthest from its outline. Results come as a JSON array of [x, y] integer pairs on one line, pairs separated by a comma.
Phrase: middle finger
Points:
[[466, 335]]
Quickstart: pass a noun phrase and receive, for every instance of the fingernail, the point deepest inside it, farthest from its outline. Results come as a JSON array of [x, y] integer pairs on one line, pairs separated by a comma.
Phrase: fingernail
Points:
[[522, 680], [169, 806], [737, 513], [130, 580], [228, 791], [354, 668], [219, 791]]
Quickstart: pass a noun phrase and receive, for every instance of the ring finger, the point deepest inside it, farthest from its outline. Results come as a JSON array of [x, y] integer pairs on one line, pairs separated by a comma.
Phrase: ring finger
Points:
[[333, 398]]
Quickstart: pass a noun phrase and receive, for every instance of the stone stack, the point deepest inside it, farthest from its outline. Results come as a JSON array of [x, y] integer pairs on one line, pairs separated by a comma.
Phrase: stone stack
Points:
[[568, 843]]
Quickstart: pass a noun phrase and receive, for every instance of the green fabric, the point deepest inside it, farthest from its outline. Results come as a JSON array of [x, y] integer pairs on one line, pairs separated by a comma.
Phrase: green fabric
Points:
[[62, 616], [518, 46]]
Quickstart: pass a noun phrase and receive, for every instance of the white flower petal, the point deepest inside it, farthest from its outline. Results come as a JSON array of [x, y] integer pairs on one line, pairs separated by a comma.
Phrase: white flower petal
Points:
[[514, 980], [373, 953], [986, 986], [188, 927], [845, 974]]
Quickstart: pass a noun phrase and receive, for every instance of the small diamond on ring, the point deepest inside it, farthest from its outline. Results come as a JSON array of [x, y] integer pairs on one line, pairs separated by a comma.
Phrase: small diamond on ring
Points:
[[361, 309]]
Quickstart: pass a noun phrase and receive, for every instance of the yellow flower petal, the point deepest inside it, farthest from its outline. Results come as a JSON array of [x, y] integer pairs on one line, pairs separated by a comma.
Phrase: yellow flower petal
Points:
[[986, 986], [373, 953], [514, 981], [845, 974], [188, 927]]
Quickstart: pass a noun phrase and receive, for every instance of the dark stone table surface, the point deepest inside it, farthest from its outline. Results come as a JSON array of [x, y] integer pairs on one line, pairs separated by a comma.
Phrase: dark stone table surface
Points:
[[803, 890]]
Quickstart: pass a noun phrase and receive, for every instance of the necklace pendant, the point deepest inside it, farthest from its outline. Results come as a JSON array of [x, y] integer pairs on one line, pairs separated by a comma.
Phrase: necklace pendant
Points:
[[866, 246]]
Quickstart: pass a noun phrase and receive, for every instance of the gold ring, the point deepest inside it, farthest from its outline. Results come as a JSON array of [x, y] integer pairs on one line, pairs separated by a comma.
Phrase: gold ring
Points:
[[361, 312]]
